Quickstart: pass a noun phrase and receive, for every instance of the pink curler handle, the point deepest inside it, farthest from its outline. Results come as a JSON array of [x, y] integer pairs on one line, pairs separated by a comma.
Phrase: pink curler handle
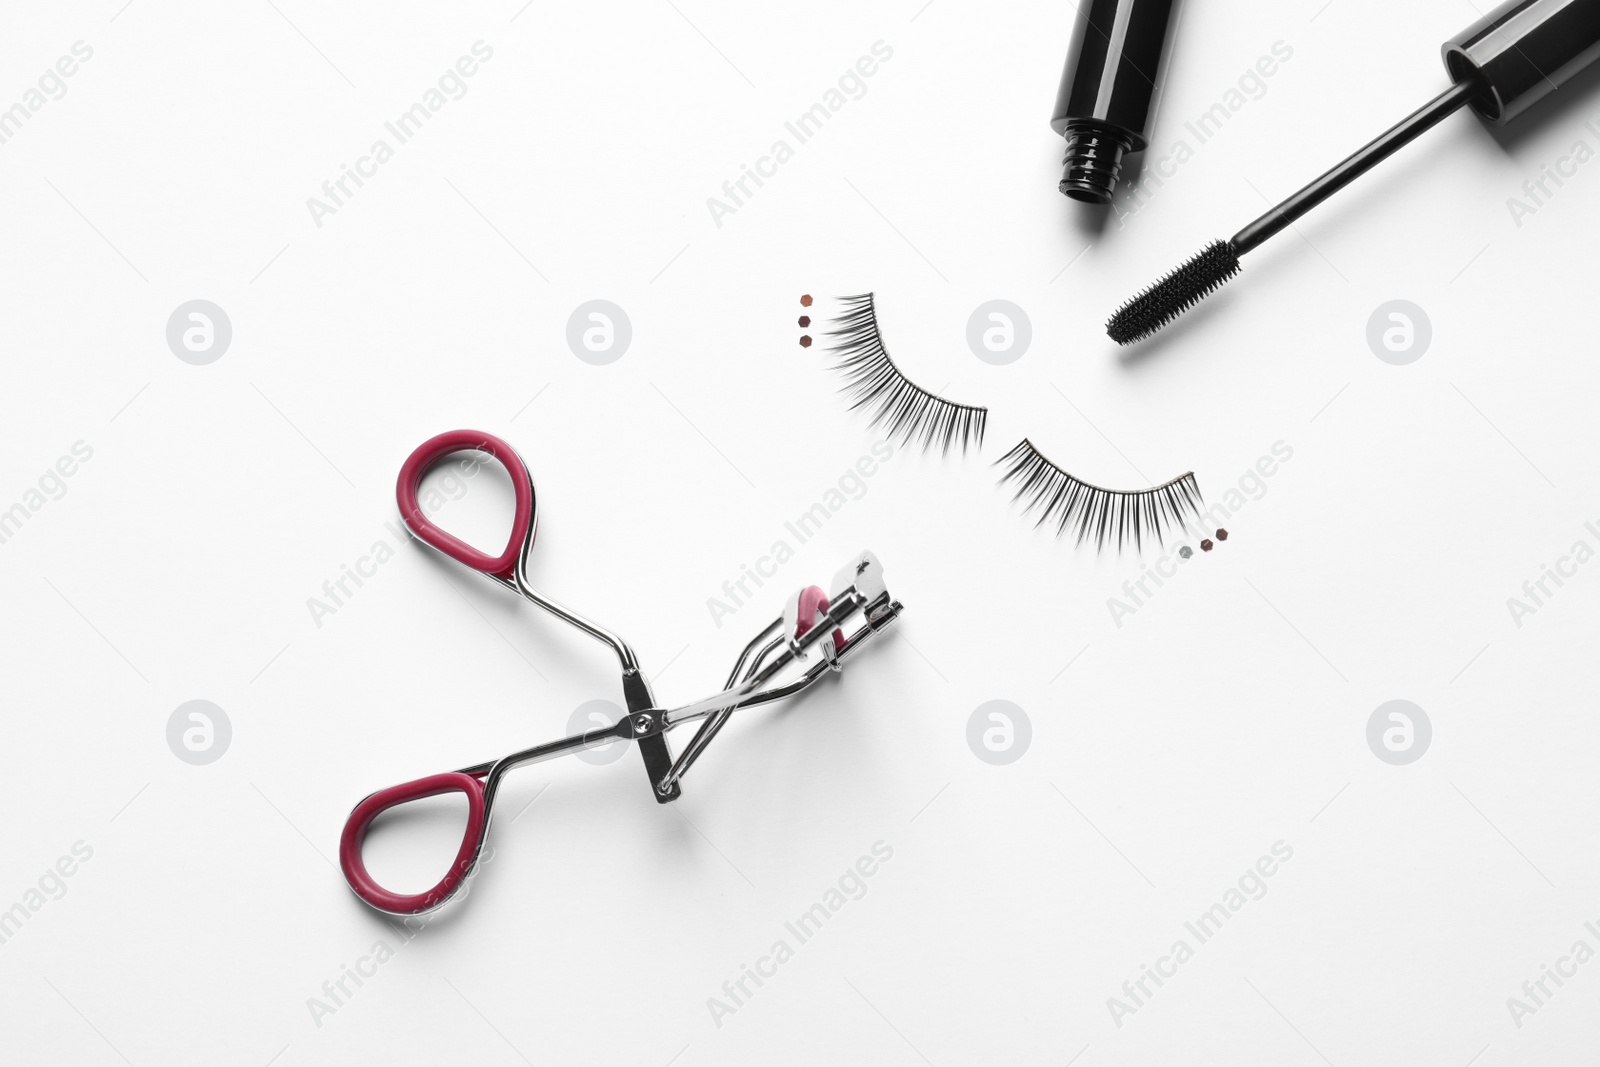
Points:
[[409, 486], [355, 832], [813, 600]]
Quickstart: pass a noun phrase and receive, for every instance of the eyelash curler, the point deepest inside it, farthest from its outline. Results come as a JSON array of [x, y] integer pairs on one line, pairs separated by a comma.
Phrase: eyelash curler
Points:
[[808, 619]]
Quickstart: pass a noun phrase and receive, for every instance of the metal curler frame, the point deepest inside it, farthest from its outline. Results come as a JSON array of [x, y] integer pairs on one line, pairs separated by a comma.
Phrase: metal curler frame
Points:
[[812, 622]]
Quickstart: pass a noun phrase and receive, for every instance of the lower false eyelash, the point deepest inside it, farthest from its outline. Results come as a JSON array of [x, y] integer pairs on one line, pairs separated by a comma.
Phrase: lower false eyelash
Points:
[[906, 410], [1105, 514]]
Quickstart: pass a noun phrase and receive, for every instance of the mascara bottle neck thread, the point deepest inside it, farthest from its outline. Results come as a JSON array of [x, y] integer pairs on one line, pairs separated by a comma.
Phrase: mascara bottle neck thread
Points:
[[1093, 161]]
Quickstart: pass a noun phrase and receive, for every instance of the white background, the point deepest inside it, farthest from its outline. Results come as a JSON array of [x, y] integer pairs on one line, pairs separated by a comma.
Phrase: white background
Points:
[[1168, 753]]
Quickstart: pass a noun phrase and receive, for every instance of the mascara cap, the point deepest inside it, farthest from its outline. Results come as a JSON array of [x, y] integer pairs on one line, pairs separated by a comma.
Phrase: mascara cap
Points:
[[1523, 51]]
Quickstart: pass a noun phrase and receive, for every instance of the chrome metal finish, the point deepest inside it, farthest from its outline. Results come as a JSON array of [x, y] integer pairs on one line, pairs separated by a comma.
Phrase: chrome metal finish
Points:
[[749, 684], [845, 604], [625, 656], [521, 586], [752, 682], [708, 729], [635, 686]]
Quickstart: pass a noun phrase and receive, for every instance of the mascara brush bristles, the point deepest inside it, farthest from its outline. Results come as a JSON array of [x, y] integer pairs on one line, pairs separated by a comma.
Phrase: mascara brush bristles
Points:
[[1106, 515], [906, 411], [1174, 294]]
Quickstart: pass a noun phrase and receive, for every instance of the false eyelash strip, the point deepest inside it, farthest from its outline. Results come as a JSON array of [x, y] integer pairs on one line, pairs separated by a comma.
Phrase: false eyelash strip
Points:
[[1104, 514], [905, 410]]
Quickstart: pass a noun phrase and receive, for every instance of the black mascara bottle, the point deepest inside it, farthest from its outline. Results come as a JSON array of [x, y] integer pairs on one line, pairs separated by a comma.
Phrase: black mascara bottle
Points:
[[1109, 90]]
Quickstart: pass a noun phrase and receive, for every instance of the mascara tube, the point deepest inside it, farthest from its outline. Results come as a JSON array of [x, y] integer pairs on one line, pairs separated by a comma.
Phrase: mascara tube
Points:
[[1108, 90]]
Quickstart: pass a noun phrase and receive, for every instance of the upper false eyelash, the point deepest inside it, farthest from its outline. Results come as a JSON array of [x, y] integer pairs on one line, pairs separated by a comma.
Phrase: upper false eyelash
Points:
[[907, 411], [1104, 514]]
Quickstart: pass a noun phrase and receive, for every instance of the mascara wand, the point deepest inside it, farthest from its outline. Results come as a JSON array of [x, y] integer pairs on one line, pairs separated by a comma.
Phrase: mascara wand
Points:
[[1502, 64]]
